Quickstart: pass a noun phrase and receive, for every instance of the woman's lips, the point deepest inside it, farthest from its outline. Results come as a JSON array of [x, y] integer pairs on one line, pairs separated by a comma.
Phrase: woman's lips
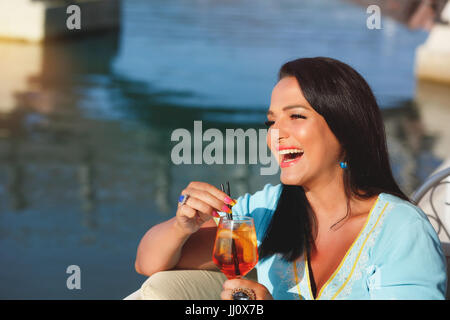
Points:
[[289, 156], [285, 162]]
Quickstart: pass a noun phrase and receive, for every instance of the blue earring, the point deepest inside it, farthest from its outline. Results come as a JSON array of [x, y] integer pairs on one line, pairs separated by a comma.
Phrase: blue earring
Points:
[[343, 164]]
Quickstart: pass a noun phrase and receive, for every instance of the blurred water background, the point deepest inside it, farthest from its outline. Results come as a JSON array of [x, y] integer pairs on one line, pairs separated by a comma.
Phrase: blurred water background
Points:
[[85, 166]]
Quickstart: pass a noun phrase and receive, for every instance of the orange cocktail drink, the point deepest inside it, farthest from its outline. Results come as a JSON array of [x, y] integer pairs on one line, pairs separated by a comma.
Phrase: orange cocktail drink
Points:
[[235, 248]]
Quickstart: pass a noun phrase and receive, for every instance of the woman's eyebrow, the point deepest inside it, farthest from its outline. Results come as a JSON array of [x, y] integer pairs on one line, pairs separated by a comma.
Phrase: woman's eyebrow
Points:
[[289, 107]]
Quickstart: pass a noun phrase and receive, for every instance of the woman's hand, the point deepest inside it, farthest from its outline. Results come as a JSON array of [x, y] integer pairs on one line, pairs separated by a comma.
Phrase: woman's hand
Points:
[[202, 204], [260, 291]]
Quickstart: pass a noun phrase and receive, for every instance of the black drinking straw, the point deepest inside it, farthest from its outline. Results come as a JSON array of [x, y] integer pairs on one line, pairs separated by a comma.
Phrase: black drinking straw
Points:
[[233, 245], [229, 194], [229, 215]]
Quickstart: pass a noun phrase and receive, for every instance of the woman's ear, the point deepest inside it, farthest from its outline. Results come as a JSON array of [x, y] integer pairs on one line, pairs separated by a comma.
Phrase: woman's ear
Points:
[[342, 155]]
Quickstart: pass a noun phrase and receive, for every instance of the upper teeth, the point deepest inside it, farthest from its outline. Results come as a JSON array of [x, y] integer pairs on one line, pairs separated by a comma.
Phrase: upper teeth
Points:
[[286, 151]]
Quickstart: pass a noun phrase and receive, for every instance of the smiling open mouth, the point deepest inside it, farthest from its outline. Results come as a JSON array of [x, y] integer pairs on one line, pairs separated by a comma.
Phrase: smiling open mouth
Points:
[[290, 155]]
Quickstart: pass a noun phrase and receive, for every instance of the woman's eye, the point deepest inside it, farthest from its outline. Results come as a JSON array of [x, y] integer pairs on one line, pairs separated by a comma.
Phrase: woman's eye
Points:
[[269, 123], [297, 116]]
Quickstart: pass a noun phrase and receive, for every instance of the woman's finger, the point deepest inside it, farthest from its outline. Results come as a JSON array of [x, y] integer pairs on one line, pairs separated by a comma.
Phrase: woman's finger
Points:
[[209, 199], [188, 212], [237, 283], [226, 295], [260, 291], [219, 194], [199, 205]]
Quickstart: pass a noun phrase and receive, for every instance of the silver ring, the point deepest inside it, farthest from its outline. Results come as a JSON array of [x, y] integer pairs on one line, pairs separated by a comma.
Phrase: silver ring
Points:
[[243, 294], [183, 198]]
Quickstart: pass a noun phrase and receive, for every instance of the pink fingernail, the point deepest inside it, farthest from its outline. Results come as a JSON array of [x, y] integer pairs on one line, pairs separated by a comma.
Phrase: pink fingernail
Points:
[[215, 214], [229, 201], [226, 209]]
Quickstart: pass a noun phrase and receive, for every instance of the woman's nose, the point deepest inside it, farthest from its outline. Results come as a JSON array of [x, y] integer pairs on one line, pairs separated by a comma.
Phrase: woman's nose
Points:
[[280, 130], [276, 134]]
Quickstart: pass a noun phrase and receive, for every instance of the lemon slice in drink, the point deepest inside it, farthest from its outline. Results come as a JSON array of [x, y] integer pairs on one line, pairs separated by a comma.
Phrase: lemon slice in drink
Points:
[[245, 241]]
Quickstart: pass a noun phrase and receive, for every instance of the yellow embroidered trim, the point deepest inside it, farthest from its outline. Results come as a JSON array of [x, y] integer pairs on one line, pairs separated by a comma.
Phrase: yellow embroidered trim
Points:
[[307, 277], [296, 280], [359, 253], [348, 251]]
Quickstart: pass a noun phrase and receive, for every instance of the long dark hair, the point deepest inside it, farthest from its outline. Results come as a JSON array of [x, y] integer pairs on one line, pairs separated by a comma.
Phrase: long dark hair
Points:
[[341, 95]]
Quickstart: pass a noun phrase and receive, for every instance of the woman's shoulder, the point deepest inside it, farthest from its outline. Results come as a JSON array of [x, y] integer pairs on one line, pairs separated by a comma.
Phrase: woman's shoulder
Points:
[[260, 206], [259, 203], [403, 221], [402, 211], [264, 198], [406, 258]]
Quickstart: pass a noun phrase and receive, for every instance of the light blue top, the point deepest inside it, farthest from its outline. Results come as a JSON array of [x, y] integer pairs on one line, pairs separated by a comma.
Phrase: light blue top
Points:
[[397, 255]]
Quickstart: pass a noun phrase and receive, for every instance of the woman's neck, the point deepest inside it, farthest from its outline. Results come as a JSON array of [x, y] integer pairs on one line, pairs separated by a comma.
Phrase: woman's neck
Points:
[[331, 207], [327, 198], [329, 204]]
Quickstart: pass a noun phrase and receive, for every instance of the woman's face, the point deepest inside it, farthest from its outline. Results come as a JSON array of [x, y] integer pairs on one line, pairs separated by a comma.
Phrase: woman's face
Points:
[[306, 149]]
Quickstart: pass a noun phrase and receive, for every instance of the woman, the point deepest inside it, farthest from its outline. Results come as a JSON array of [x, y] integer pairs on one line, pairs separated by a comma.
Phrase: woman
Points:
[[338, 226]]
